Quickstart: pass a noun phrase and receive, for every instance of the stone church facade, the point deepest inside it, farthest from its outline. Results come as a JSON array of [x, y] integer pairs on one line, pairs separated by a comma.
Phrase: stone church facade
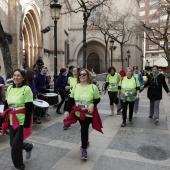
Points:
[[23, 20]]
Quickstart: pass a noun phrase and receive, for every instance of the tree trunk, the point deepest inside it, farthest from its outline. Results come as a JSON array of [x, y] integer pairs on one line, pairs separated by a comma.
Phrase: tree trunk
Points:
[[5, 53], [167, 53], [7, 61], [169, 71], [84, 40], [168, 59], [106, 56], [121, 52]]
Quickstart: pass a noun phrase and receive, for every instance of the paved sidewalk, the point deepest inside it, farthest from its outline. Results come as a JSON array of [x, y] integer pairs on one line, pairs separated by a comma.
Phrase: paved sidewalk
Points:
[[140, 146]]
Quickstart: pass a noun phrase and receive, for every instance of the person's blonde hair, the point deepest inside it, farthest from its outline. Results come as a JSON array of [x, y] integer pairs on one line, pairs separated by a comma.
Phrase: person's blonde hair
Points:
[[89, 77], [129, 68]]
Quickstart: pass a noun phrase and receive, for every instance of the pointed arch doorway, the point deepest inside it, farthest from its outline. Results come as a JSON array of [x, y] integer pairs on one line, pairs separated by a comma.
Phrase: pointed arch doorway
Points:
[[31, 38], [93, 61]]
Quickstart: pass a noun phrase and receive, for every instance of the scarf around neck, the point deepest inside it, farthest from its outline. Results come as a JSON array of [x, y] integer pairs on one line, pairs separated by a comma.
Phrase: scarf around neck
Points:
[[155, 77]]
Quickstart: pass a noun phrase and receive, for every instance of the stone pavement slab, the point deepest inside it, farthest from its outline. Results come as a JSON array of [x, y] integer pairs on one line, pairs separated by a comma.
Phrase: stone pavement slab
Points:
[[43, 156], [131, 141], [111, 163], [4, 138], [146, 123]]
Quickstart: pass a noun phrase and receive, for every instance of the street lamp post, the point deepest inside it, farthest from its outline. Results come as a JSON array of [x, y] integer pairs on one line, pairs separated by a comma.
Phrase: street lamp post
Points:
[[142, 57], [55, 13], [128, 55], [112, 48]]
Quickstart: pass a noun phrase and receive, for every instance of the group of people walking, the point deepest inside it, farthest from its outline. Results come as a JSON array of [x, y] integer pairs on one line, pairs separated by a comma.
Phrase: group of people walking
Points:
[[124, 89], [80, 97]]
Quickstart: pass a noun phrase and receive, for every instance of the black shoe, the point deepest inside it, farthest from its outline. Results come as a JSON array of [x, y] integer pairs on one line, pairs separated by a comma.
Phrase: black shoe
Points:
[[151, 117], [67, 127], [123, 124], [58, 112], [21, 168], [56, 105], [37, 122], [119, 112], [130, 121]]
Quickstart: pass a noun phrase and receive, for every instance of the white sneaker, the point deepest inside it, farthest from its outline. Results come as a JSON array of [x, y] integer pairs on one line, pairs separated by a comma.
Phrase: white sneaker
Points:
[[111, 114], [156, 121], [135, 115]]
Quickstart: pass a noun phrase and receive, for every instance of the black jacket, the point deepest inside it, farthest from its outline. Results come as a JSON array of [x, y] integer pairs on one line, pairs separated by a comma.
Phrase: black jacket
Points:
[[155, 87]]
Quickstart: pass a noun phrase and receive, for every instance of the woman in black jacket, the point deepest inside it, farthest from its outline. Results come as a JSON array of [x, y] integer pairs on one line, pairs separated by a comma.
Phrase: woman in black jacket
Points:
[[156, 81]]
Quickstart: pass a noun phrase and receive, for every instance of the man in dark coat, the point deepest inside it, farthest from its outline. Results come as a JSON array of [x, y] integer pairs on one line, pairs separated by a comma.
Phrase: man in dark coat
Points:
[[41, 82]]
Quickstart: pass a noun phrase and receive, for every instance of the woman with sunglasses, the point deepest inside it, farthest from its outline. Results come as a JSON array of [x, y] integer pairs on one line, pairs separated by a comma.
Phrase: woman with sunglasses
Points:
[[84, 95], [18, 110]]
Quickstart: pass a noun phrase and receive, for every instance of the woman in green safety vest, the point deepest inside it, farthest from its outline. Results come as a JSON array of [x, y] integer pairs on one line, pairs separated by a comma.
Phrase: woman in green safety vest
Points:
[[72, 80], [128, 92], [18, 108], [112, 82], [84, 95]]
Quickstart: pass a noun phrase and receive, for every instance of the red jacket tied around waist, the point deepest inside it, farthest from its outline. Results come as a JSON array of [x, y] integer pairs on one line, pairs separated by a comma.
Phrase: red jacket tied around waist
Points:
[[96, 120], [15, 124]]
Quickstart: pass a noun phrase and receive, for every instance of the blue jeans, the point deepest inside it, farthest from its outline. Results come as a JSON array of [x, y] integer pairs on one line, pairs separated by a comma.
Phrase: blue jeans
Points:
[[136, 106], [154, 108]]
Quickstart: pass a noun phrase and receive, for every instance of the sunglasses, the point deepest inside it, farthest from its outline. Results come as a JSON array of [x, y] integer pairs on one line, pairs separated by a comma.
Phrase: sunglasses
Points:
[[84, 74]]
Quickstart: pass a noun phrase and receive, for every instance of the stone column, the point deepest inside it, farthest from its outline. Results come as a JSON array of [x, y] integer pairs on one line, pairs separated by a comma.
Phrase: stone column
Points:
[[14, 13]]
